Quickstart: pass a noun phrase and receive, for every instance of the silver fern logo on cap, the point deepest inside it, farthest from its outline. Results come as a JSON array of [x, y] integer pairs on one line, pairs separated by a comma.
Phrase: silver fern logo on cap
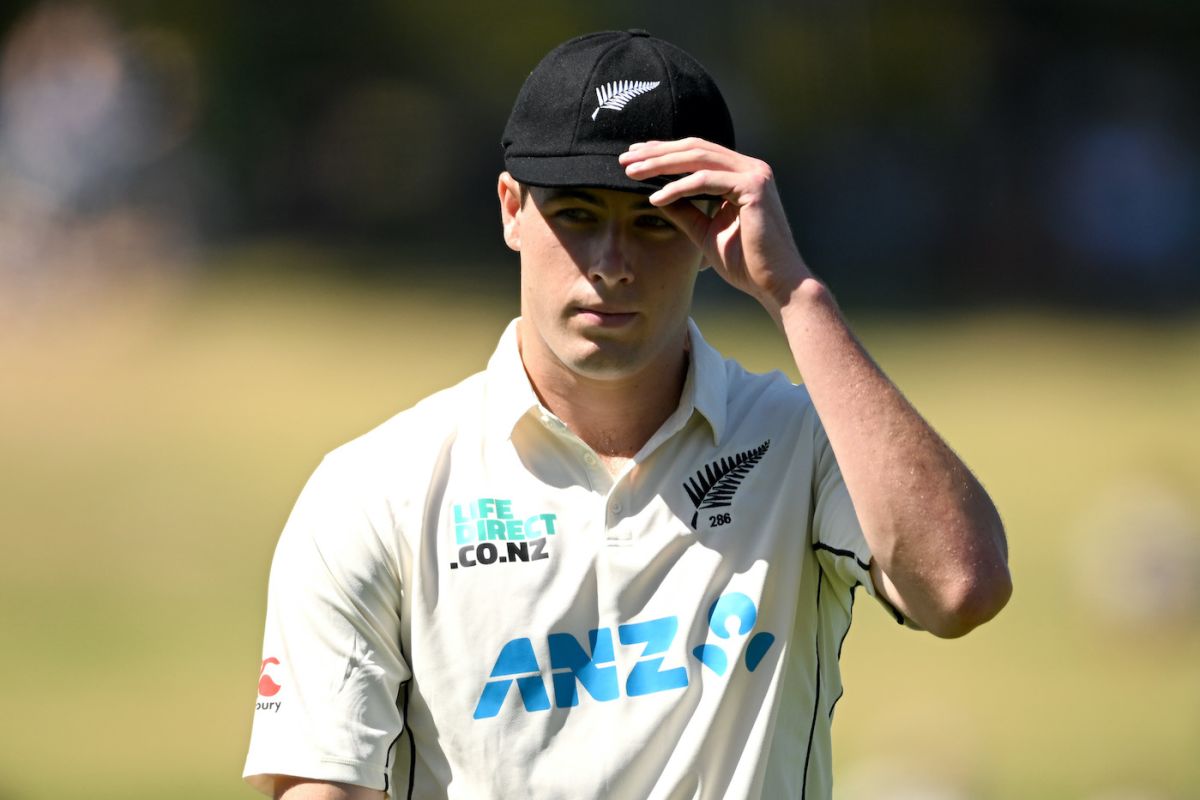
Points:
[[615, 94]]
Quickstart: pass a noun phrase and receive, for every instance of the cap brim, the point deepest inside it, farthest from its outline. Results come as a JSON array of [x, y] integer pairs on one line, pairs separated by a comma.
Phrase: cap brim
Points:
[[597, 171]]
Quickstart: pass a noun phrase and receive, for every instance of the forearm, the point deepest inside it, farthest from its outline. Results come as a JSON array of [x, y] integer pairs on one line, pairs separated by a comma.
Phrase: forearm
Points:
[[930, 525], [932, 529]]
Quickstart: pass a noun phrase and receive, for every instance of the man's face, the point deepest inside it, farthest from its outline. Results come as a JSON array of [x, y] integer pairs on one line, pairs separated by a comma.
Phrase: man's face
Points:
[[606, 280]]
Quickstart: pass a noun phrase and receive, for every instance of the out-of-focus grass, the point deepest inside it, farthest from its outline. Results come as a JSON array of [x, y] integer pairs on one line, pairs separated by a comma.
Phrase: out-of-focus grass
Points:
[[152, 447]]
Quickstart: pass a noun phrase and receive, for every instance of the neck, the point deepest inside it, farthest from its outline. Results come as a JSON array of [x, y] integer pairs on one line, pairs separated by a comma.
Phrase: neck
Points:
[[615, 417]]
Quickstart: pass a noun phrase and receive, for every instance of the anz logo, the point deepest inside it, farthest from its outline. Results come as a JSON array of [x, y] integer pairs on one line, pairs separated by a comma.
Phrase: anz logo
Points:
[[595, 669]]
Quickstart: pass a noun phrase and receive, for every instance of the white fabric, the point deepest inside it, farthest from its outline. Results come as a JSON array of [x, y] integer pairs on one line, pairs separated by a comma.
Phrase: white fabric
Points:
[[583, 664]]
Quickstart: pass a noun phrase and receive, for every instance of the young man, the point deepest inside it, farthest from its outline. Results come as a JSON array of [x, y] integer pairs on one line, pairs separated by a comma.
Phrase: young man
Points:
[[614, 564]]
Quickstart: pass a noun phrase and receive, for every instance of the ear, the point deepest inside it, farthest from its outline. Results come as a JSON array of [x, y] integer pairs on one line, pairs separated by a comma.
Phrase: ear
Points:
[[510, 210]]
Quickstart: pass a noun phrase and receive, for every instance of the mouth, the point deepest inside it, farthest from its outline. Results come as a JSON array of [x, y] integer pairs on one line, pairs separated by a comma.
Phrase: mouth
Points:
[[604, 316]]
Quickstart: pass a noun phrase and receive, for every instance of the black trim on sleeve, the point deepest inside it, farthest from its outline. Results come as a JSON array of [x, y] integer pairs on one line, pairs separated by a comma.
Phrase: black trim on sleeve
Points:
[[895, 611], [412, 746], [850, 554], [387, 762], [849, 622], [845, 633], [387, 772], [812, 728], [845, 553], [834, 704], [405, 690]]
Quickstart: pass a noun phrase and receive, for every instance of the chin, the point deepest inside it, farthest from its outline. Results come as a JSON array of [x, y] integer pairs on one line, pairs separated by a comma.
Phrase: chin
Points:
[[605, 362]]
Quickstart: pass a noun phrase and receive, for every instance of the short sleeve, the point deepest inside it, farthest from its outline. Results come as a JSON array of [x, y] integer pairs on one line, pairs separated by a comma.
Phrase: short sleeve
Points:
[[837, 536], [332, 666]]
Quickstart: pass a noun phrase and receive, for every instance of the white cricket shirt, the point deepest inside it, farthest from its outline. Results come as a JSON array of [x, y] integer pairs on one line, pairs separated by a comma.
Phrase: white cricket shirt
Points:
[[464, 603]]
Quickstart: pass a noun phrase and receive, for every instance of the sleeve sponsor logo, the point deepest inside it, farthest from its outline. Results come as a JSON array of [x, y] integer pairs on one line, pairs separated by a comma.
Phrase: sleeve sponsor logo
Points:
[[488, 531], [267, 687], [595, 667]]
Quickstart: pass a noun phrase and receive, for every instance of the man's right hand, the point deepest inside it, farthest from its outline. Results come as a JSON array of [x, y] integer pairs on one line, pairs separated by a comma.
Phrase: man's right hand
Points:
[[748, 241]]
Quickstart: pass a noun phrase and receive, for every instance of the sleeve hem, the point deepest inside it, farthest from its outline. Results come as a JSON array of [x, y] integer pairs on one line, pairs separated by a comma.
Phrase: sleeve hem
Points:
[[869, 584], [261, 776], [864, 579]]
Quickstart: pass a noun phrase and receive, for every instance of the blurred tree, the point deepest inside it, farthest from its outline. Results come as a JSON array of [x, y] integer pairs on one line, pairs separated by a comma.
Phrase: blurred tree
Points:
[[917, 145]]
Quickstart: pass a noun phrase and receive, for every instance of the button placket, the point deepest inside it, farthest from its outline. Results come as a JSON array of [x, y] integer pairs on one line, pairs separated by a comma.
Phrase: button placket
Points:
[[615, 502], [598, 476], [615, 510]]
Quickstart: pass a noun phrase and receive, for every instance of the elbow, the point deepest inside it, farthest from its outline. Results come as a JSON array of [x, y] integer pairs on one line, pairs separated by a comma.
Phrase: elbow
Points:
[[982, 590], [975, 602]]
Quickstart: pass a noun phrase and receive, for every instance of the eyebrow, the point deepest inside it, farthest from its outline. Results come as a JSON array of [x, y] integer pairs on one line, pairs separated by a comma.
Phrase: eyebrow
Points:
[[587, 197]]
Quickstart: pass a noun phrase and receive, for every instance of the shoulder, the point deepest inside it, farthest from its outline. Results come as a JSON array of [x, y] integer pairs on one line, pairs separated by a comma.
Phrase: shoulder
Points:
[[770, 407], [771, 394], [353, 504], [410, 443]]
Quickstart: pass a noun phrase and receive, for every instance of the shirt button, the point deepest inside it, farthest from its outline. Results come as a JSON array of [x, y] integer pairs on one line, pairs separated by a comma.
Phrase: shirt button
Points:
[[589, 459], [615, 508]]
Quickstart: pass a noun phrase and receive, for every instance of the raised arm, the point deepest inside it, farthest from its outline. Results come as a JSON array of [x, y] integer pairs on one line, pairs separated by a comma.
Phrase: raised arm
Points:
[[938, 546]]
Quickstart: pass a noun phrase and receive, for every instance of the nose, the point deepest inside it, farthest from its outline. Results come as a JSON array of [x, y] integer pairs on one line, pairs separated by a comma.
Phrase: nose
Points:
[[610, 261]]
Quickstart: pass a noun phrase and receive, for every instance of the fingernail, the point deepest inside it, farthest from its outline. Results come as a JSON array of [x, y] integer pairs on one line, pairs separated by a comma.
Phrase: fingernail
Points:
[[654, 198], [636, 145]]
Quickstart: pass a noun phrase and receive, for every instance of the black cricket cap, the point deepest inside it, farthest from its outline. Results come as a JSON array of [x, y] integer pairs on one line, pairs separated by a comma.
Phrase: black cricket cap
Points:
[[593, 96]]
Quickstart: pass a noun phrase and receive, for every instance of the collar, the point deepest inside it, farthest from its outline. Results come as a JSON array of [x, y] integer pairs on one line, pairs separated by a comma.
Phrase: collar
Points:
[[510, 395], [707, 382]]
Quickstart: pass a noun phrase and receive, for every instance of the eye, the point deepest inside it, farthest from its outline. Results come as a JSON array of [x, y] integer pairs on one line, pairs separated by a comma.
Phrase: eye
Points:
[[574, 214], [654, 222]]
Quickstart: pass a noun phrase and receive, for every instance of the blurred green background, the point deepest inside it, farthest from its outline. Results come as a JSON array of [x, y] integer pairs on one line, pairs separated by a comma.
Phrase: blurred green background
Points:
[[233, 238]]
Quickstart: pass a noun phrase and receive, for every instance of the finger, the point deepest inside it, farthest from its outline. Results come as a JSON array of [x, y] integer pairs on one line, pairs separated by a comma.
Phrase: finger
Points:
[[689, 219], [655, 147], [705, 181], [679, 162]]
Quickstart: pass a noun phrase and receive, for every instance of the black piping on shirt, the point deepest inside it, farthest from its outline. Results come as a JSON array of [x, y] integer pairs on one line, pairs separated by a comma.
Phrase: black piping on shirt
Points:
[[846, 553], [405, 690], [845, 633], [817, 699], [850, 554]]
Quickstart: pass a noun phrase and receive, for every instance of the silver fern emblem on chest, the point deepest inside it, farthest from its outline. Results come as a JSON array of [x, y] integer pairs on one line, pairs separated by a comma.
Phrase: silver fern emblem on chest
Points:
[[715, 485], [615, 94]]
